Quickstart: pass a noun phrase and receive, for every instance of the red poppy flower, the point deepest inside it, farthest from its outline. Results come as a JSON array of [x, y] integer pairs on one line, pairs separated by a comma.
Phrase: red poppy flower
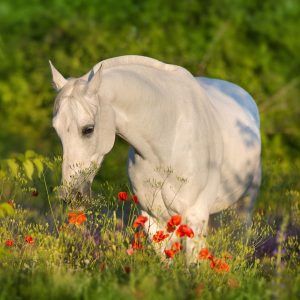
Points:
[[219, 265], [29, 239], [173, 222], [122, 196], [137, 245], [130, 251], [81, 217], [170, 227], [135, 199], [34, 193], [184, 230], [169, 253], [205, 254], [212, 263], [127, 269], [9, 243], [140, 220], [76, 218], [222, 266], [176, 247], [11, 203], [159, 236], [72, 217], [139, 235]]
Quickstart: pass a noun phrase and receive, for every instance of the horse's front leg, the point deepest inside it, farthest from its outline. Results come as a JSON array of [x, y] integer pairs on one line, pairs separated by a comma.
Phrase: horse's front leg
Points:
[[151, 228], [197, 219]]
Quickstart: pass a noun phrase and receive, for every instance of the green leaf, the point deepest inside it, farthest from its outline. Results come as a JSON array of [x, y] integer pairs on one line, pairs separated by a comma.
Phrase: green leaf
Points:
[[30, 154], [13, 166], [28, 168], [6, 210], [38, 162], [2, 174], [4, 253]]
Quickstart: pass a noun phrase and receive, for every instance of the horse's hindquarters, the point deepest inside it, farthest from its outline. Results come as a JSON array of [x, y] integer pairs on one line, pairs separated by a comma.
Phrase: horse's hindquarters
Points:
[[239, 126]]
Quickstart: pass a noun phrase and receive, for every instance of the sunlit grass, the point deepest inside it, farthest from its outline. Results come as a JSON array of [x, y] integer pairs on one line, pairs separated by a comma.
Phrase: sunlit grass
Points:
[[87, 257]]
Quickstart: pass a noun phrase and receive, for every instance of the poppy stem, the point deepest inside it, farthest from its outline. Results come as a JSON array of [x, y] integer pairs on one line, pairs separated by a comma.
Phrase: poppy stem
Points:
[[22, 257], [48, 198], [123, 215]]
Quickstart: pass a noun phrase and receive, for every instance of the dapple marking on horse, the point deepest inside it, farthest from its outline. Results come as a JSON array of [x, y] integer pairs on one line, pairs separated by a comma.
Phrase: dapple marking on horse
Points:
[[206, 130]]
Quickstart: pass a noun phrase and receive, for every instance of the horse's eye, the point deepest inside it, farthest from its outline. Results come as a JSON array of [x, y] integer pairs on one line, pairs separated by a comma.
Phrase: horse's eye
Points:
[[87, 130]]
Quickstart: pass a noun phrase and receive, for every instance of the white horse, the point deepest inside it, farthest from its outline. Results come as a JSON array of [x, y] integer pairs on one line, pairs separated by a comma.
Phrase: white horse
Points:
[[205, 130]]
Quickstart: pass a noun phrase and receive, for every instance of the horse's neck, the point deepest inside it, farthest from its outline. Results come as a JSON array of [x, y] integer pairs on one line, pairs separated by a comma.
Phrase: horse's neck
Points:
[[144, 115], [153, 108]]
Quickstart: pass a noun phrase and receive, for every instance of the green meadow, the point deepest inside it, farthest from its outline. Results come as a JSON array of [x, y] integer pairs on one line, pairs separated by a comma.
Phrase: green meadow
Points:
[[44, 253]]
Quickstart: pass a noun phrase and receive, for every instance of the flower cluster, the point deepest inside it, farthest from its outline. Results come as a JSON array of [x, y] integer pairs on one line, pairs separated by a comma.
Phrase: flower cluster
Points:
[[137, 243], [28, 240], [123, 196], [217, 264], [181, 230], [176, 247], [159, 236], [173, 226]]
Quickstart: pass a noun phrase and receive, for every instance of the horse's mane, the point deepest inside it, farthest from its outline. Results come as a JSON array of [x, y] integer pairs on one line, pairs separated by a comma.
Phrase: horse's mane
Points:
[[136, 60], [113, 62], [67, 90]]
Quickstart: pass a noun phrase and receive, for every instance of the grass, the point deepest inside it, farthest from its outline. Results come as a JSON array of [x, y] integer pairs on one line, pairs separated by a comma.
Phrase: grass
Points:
[[90, 261]]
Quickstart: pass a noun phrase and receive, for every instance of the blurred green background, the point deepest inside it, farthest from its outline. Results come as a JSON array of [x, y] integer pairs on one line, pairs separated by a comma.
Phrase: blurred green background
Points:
[[253, 43]]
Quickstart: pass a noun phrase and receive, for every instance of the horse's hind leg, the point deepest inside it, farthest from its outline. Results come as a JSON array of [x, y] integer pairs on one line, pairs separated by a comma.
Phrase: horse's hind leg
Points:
[[244, 206]]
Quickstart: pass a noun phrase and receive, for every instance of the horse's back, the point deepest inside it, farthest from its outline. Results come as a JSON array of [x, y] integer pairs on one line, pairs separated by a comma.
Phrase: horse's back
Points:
[[230, 92]]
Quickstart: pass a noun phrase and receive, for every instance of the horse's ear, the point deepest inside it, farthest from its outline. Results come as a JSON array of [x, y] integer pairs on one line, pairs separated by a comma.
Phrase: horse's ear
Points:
[[95, 81], [58, 80]]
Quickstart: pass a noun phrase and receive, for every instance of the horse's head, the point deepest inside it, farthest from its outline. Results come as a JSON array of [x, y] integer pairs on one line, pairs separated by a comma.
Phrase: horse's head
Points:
[[85, 123]]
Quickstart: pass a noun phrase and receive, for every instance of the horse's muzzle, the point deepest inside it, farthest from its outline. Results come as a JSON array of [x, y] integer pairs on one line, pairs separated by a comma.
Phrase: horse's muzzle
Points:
[[82, 191], [85, 189]]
